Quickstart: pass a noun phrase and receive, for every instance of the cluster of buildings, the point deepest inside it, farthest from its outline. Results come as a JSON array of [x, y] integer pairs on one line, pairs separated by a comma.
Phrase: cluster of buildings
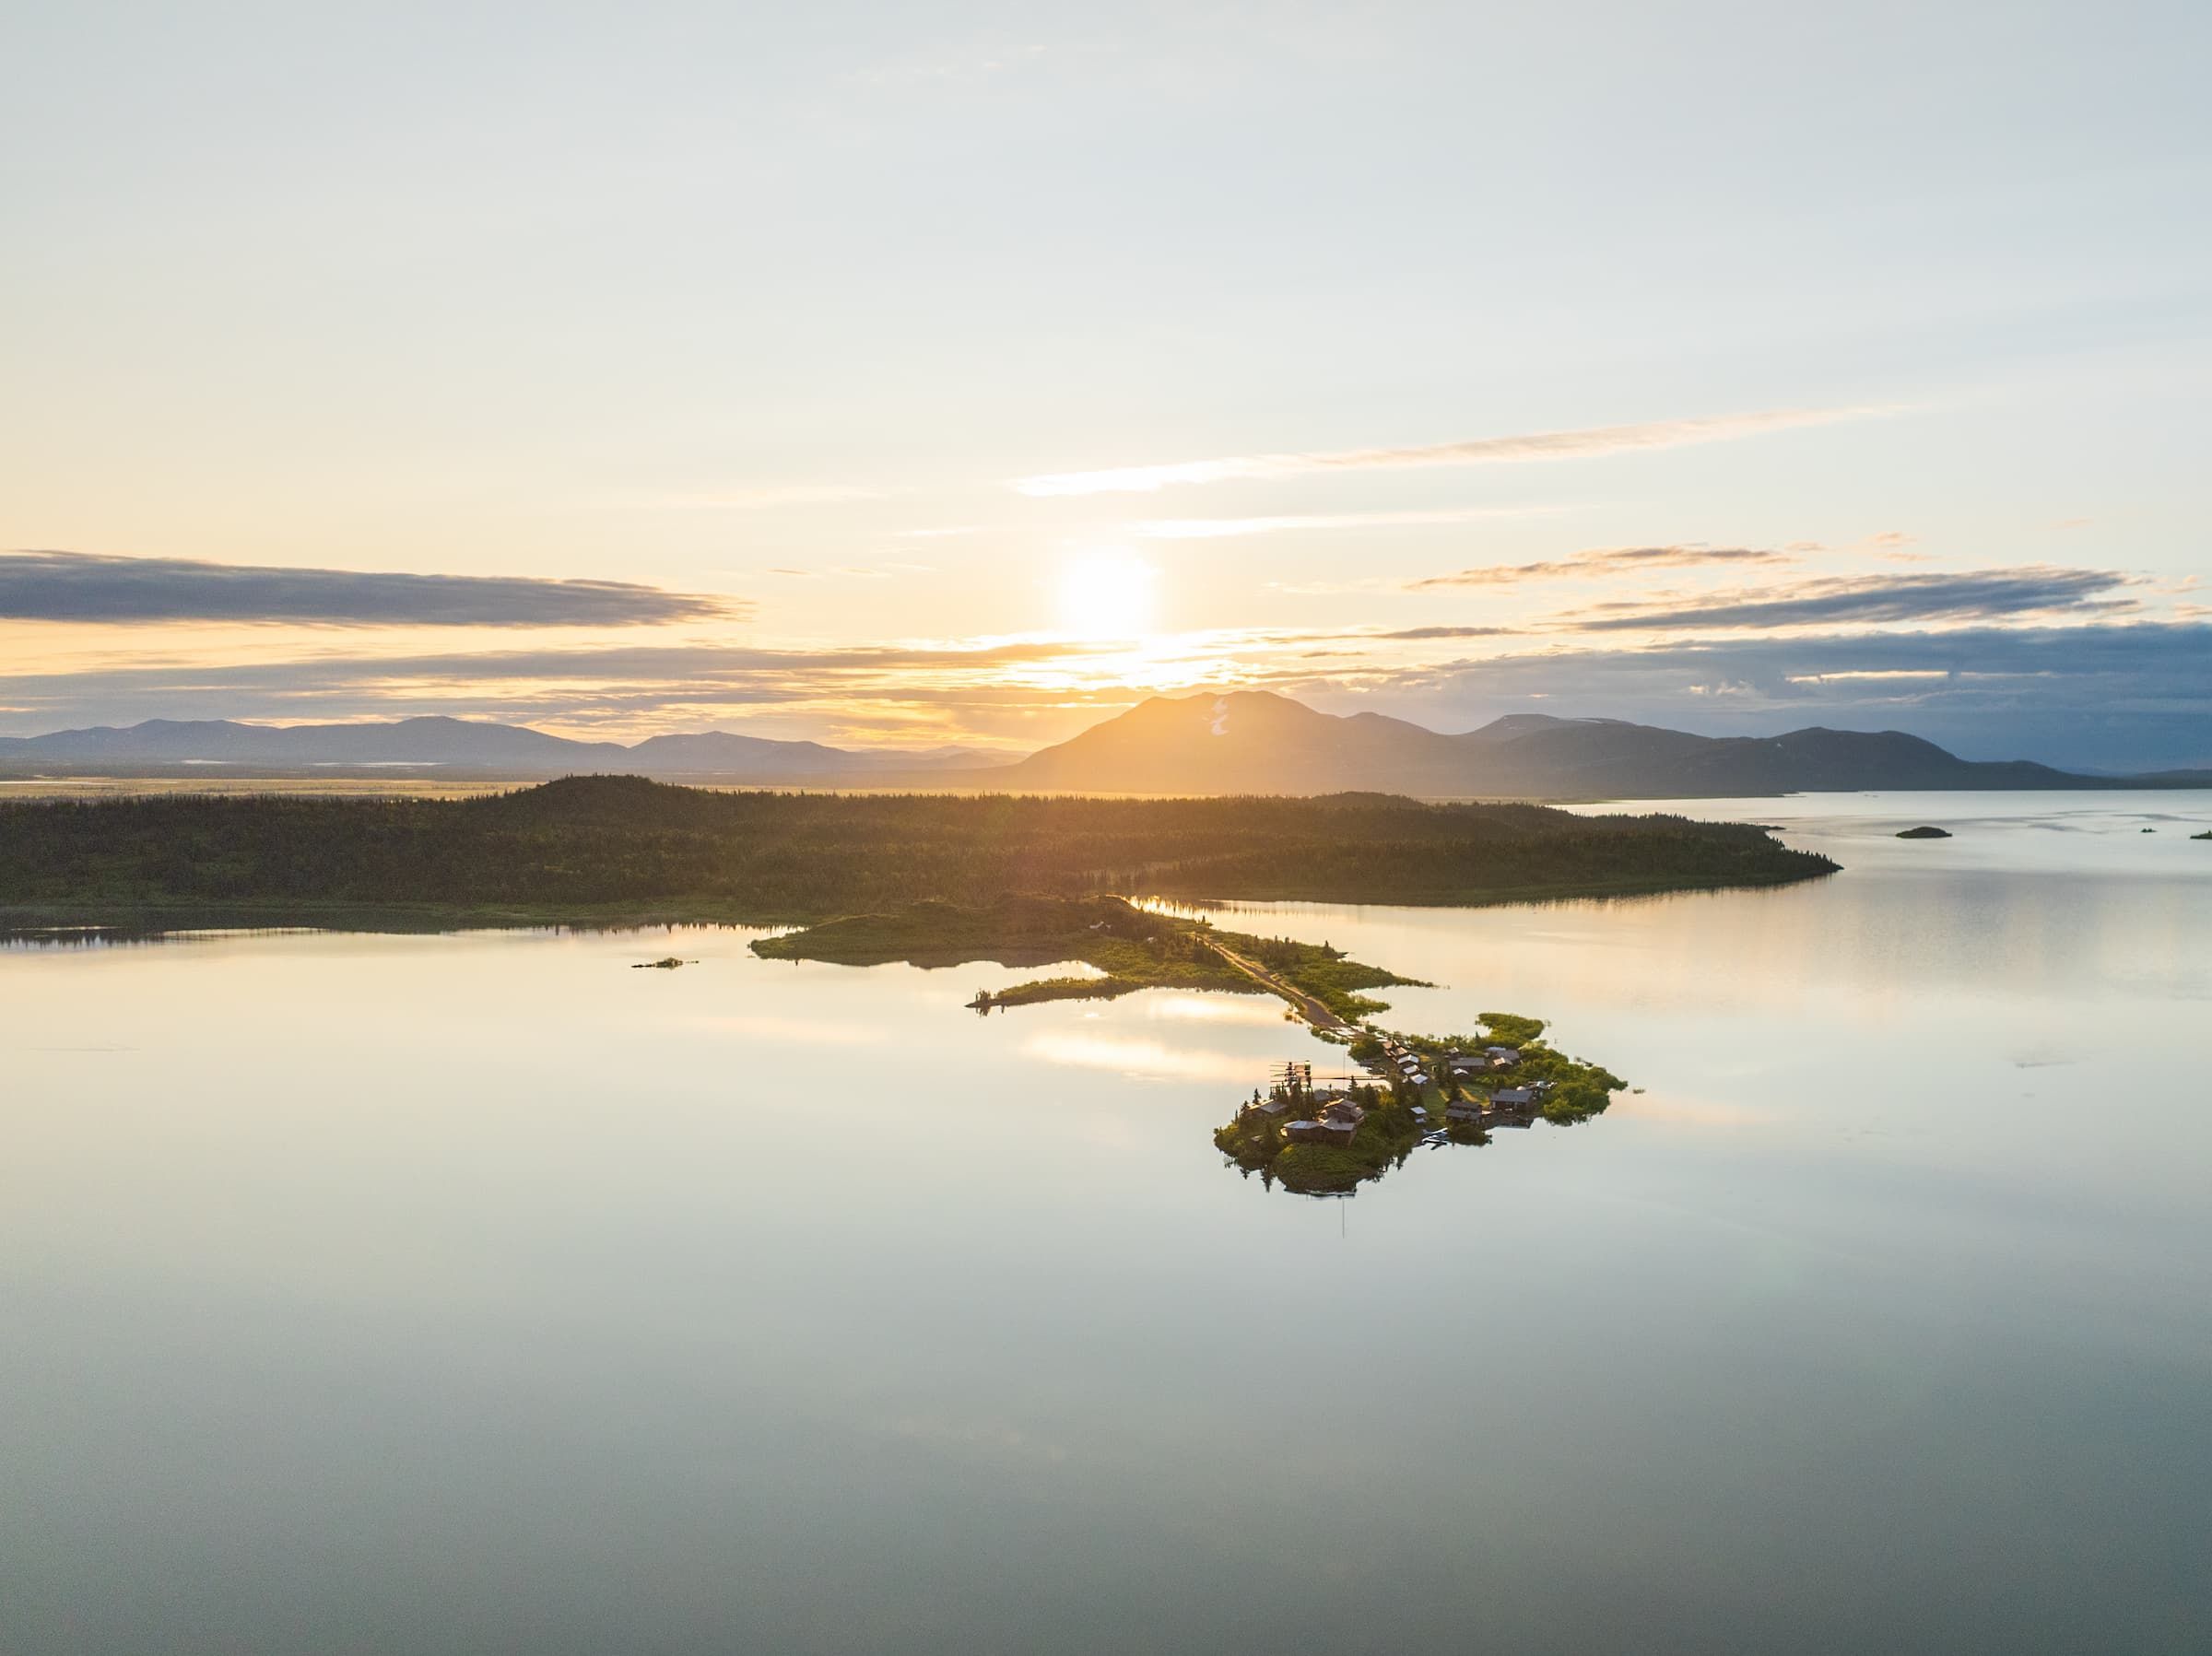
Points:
[[1335, 1114], [1403, 1061], [1505, 1106], [1508, 1107], [1331, 1115], [1489, 1058]]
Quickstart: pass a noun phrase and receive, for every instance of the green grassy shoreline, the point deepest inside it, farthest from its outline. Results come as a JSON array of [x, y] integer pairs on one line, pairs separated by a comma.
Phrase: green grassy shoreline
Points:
[[1560, 891], [1133, 948], [156, 919], [154, 916]]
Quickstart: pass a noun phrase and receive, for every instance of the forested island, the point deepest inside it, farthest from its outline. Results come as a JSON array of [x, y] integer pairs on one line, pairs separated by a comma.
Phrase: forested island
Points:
[[621, 850]]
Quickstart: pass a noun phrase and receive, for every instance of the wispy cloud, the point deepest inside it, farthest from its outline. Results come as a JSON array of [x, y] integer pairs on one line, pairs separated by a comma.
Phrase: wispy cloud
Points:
[[79, 586], [622, 685], [1409, 634], [1193, 529], [884, 571], [1974, 595], [1583, 444], [1604, 560], [761, 498]]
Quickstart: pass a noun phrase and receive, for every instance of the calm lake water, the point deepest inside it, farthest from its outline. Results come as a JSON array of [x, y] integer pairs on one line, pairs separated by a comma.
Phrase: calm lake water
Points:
[[478, 1293]]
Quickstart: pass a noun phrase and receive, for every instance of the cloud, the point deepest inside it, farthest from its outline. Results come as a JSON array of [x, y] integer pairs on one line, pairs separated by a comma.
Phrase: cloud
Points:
[[1583, 444], [1976, 596], [1604, 560], [521, 684], [1444, 632], [78, 586], [1191, 529]]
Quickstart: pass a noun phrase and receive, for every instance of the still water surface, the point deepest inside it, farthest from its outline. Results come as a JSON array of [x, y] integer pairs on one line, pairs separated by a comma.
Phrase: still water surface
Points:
[[478, 1293]]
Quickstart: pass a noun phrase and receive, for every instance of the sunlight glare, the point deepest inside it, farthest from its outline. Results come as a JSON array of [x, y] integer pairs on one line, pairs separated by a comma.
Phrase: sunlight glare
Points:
[[1108, 595]]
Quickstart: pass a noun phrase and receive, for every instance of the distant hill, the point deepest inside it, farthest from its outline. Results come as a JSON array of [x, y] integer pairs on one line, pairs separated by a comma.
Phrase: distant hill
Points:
[[1252, 742], [1247, 743], [467, 746]]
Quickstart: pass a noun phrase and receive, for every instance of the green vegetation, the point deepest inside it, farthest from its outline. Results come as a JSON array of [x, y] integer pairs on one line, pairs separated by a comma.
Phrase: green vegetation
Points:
[[614, 850], [1924, 832], [1387, 1134], [1504, 1029], [2206, 835], [668, 963], [1383, 1128], [1321, 972], [1055, 989], [1132, 947]]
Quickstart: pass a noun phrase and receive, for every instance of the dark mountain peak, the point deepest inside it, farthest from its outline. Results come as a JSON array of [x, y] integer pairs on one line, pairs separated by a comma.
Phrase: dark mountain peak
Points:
[[1510, 726], [1515, 727], [1208, 705], [1819, 737]]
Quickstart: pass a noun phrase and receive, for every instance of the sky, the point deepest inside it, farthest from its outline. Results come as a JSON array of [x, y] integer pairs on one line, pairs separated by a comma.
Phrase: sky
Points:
[[963, 375]]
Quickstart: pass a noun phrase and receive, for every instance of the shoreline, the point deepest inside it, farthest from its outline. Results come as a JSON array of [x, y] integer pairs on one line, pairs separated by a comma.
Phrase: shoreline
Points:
[[157, 917]]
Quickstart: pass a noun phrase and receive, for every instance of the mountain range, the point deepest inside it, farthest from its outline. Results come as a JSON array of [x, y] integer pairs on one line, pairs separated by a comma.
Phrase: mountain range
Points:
[[1257, 743], [1247, 742], [465, 745]]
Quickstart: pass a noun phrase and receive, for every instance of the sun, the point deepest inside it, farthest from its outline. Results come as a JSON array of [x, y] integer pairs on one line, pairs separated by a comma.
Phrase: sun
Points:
[[1108, 595]]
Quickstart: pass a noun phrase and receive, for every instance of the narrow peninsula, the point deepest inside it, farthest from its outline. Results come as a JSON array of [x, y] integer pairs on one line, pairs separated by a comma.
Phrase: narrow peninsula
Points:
[[938, 880]]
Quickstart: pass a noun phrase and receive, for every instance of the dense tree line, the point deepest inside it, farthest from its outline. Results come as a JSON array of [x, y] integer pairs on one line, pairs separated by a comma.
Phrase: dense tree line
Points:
[[602, 842]]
